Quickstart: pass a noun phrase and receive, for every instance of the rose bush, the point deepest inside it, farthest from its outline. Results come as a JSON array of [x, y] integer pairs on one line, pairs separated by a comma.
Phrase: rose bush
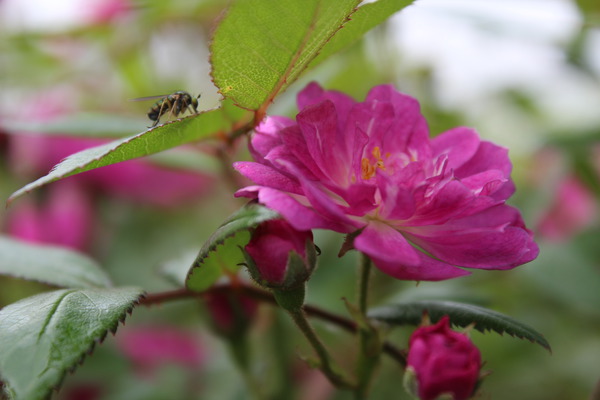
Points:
[[370, 170]]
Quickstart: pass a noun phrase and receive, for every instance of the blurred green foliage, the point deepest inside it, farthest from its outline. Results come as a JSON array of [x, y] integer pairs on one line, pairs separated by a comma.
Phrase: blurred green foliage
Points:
[[158, 47]]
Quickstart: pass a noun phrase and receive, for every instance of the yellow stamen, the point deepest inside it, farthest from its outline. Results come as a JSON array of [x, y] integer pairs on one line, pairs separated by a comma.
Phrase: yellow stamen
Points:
[[368, 169]]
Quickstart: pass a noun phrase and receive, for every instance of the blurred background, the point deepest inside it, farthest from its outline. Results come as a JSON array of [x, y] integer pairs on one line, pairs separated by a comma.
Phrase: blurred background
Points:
[[524, 73]]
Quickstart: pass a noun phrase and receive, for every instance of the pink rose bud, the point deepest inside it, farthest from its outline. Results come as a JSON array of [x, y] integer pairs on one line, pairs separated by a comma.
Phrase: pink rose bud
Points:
[[443, 362], [279, 256], [150, 347], [65, 218], [231, 313], [573, 209]]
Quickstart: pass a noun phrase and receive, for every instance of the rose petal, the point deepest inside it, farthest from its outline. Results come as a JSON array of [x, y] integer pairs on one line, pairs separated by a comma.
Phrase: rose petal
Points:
[[488, 156], [318, 124], [266, 136], [409, 133], [299, 216], [387, 244], [265, 175], [494, 248], [460, 144], [313, 94], [428, 269]]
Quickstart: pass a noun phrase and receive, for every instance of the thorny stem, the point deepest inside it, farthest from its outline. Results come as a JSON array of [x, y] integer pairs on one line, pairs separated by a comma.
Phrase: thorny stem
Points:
[[224, 150], [363, 282], [233, 180], [326, 363], [368, 356], [264, 296]]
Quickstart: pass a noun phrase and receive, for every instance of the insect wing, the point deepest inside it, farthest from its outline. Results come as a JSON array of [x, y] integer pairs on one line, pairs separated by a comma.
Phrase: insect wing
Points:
[[150, 97]]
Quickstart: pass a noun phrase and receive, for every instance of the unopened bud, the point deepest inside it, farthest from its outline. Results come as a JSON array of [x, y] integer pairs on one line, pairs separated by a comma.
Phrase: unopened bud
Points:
[[442, 363]]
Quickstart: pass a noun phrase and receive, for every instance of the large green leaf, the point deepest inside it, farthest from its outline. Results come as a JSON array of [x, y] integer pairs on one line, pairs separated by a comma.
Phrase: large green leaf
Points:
[[49, 264], [366, 18], [163, 137], [460, 314], [44, 336], [261, 47], [221, 251]]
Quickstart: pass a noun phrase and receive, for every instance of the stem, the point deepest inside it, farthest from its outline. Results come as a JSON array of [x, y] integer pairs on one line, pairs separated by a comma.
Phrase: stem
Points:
[[363, 282], [264, 296], [233, 179], [327, 365], [239, 350], [368, 357]]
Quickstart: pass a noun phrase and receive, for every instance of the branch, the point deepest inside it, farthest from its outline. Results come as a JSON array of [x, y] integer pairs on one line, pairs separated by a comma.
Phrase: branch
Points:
[[264, 296]]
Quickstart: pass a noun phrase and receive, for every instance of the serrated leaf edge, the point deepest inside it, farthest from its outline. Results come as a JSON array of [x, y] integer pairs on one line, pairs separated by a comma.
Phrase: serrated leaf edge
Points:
[[86, 353], [543, 342], [220, 242]]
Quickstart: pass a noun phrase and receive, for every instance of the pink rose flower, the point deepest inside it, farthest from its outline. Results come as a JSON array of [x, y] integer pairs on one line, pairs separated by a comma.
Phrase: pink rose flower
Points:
[[444, 361], [149, 347], [573, 209], [104, 11], [65, 218], [369, 169], [270, 249]]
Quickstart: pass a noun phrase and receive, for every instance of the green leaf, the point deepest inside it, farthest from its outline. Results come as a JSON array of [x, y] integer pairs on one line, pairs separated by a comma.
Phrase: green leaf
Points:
[[187, 160], [50, 264], [460, 314], [366, 18], [591, 11], [221, 251], [152, 141], [92, 125], [44, 336], [261, 47]]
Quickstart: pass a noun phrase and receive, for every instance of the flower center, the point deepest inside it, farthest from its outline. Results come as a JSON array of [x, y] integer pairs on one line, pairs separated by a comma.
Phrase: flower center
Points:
[[369, 167]]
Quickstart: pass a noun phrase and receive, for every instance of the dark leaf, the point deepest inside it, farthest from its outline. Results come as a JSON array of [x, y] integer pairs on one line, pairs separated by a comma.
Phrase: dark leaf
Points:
[[460, 314]]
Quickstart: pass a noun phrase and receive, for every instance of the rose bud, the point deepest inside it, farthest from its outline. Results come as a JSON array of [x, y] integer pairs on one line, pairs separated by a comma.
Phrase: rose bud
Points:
[[279, 256], [442, 362], [231, 313]]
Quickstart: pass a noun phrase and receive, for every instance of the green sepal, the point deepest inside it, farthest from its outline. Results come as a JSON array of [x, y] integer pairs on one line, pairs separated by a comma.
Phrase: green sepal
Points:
[[252, 269], [297, 271], [410, 383], [291, 300], [311, 252]]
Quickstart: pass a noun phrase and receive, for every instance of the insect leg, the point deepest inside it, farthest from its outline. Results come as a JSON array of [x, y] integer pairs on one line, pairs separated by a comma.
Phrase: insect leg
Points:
[[173, 111], [160, 113]]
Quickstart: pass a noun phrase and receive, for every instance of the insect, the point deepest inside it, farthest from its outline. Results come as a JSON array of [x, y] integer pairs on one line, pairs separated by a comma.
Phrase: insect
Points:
[[173, 104]]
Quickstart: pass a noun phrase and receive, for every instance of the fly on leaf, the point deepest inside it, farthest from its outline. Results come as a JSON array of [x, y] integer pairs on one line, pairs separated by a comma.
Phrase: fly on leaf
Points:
[[172, 104]]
